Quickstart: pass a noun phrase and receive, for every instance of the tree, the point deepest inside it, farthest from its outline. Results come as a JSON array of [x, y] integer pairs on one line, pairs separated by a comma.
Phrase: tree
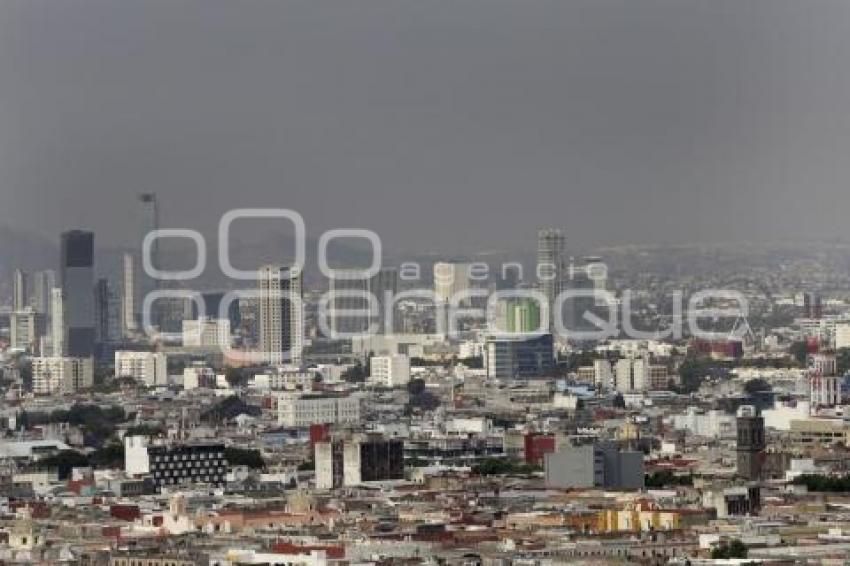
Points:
[[110, 456], [734, 549], [619, 401], [842, 361], [800, 352], [244, 457], [757, 385]]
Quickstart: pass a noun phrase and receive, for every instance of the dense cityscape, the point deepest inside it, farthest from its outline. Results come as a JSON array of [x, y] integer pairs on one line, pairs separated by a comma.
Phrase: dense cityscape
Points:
[[361, 416], [424, 282]]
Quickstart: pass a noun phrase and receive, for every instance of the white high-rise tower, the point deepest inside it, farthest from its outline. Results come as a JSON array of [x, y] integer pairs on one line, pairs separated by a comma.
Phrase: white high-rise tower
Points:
[[281, 318]]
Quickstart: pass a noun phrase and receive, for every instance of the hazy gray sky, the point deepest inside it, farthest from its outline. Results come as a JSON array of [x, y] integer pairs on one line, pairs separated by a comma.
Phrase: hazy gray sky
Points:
[[438, 123]]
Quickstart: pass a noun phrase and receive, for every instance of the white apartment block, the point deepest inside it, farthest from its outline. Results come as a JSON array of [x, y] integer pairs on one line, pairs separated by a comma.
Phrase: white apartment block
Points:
[[56, 375], [206, 332], [824, 390], [638, 374], [148, 367], [281, 325], [299, 410], [195, 377], [389, 371], [26, 327], [842, 336]]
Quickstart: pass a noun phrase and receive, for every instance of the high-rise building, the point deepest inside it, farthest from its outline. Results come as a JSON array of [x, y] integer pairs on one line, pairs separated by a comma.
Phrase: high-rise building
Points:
[[27, 328], [513, 357], [43, 284], [361, 459], [57, 322], [384, 287], [450, 279], [550, 267], [751, 443], [107, 312], [77, 274], [349, 304], [589, 279], [129, 314], [281, 315], [522, 315], [19, 290]]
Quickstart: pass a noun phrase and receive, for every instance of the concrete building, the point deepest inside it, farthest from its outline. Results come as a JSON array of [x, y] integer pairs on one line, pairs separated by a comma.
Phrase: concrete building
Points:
[[594, 465], [151, 368], [302, 410], [709, 424], [57, 375], [389, 371], [281, 315], [206, 332], [361, 459]]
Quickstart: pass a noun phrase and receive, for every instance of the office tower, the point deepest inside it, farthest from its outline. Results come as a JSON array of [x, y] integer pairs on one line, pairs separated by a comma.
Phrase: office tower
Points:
[[513, 357], [363, 458], [77, 273], [281, 315], [129, 314], [550, 268], [57, 322], [384, 286], [522, 315], [589, 276], [349, 292], [451, 278], [812, 305], [107, 312], [43, 284], [751, 443], [19, 290]]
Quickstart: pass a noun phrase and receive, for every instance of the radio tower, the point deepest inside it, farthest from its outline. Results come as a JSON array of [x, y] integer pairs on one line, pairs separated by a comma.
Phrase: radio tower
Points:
[[150, 224]]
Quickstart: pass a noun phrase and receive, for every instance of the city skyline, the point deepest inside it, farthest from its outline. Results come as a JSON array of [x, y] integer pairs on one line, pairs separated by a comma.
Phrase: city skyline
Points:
[[649, 122]]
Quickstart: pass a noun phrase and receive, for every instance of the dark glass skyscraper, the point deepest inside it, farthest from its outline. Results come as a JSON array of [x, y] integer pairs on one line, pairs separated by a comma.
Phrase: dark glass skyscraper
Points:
[[77, 273]]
